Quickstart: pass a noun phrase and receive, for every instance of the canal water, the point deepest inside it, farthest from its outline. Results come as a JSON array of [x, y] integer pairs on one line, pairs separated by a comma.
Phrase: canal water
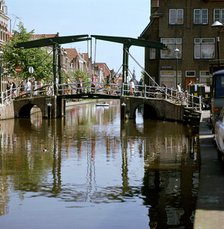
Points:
[[92, 171]]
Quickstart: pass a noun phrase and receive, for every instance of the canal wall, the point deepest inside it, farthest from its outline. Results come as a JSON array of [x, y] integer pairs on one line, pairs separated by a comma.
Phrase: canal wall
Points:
[[7, 111]]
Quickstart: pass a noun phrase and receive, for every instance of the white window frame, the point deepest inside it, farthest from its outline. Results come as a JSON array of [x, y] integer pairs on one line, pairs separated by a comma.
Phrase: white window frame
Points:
[[204, 48], [200, 16], [205, 77], [205, 73], [176, 16], [190, 73], [171, 44], [218, 15]]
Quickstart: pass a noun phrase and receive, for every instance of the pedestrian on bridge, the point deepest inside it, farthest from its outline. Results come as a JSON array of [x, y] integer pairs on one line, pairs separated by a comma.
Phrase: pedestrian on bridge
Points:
[[79, 86], [179, 92], [28, 86], [132, 87]]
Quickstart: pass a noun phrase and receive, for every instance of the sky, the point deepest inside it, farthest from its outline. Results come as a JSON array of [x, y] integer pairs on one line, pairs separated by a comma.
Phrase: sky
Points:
[[125, 18]]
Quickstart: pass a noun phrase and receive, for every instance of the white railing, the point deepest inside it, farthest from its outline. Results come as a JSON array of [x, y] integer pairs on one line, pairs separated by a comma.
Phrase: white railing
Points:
[[9, 95], [99, 88], [169, 94], [144, 91]]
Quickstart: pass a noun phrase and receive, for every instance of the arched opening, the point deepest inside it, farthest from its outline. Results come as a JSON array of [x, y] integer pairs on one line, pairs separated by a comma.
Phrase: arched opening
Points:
[[30, 111], [150, 112], [24, 112]]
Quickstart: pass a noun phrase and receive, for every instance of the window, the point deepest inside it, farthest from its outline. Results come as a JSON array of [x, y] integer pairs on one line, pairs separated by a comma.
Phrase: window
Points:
[[172, 44], [204, 48], [205, 77], [200, 16], [176, 16], [190, 73], [218, 15]]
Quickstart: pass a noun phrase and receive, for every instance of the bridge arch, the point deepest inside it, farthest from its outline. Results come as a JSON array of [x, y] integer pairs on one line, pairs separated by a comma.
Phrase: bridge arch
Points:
[[22, 107], [25, 111], [150, 112], [153, 109]]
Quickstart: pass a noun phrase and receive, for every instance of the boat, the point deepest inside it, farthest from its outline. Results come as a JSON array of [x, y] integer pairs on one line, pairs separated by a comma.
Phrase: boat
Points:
[[102, 104]]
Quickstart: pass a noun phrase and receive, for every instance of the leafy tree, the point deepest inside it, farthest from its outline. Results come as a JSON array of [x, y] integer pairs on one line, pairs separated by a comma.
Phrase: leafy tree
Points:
[[81, 75], [17, 58]]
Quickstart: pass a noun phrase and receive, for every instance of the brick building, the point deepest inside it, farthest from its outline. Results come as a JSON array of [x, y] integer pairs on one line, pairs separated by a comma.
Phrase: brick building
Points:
[[185, 27]]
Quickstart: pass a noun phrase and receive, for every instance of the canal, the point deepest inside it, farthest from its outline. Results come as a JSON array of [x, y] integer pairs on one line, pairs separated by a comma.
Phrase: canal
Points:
[[90, 171]]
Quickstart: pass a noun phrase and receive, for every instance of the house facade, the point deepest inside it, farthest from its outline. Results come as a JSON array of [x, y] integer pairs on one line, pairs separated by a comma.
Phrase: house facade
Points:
[[185, 27], [4, 20]]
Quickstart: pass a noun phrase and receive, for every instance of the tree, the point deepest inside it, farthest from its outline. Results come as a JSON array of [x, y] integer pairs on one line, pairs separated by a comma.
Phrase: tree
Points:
[[16, 61], [81, 76]]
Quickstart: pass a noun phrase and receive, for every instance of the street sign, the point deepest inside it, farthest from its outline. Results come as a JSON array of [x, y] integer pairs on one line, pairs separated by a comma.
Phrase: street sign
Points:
[[31, 70]]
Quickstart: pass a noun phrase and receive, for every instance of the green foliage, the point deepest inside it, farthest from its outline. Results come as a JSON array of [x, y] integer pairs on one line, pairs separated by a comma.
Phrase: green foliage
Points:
[[14, 58], [81, 76]]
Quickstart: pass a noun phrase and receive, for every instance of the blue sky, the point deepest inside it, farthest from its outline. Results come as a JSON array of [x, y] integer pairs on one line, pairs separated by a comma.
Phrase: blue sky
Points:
[[126, 18]]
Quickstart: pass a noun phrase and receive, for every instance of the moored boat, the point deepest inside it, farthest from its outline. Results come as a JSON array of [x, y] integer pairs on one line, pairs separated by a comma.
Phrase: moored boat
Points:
[[102, 104]]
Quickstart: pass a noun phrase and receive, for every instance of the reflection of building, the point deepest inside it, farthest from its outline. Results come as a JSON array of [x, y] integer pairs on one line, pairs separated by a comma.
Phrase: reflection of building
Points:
[[171, 177], [4, 196], [6, 130], [186, 26]]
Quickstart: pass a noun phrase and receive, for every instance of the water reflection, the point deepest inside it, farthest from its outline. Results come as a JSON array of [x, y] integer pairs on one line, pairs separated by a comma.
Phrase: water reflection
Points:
[[171, 161], [90, 159]]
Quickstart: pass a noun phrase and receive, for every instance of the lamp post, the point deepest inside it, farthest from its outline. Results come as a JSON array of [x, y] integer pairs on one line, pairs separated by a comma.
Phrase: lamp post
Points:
[[219, 26], [176, 52]]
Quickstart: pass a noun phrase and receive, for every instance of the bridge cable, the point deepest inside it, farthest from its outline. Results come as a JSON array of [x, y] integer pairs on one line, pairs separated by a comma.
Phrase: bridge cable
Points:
[[116, 73], [94, 62], [142, 68]]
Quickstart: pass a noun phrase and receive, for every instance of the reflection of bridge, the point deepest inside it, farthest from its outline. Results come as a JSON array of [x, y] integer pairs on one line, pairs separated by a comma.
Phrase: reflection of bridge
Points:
[[159, 102]]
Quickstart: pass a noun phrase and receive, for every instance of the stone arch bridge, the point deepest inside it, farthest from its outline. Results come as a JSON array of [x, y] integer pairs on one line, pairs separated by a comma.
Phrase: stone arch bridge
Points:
[[156, 103]]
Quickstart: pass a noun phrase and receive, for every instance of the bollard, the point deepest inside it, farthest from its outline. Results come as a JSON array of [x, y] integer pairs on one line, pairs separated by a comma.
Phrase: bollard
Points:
[[49, 105]]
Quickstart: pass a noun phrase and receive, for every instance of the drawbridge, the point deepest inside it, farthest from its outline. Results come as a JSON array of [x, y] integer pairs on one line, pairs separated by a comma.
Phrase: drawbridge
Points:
[[163, 100]]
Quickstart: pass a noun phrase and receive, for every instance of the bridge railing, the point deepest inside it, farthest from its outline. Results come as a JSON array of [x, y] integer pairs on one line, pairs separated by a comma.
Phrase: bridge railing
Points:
[[20, 92], [169, 94], [156, 92], [7, 96], [87, 87]]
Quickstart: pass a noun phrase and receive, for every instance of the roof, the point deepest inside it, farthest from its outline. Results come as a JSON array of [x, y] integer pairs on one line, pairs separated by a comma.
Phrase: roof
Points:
[[85, 56], [104, 67], [142, 35], [72, 53]]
